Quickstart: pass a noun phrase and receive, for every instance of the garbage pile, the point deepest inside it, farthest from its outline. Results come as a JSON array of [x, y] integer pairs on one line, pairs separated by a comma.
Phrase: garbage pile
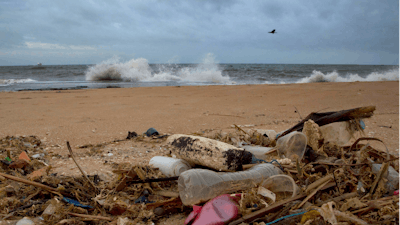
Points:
[[308, 174]]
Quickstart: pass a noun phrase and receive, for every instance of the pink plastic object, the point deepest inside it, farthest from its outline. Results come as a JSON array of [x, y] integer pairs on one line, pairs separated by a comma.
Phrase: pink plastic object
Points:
[[218, 211], [396, 192]]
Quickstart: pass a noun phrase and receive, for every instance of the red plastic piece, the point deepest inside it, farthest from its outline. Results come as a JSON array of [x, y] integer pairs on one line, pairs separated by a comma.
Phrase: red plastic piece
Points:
[[218, 211], [396, 192]]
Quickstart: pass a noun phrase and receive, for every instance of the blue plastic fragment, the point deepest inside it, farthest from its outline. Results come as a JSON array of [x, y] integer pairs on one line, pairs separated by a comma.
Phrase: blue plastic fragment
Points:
[[285, 217], [76, 203], [362, 124], [143, 199]]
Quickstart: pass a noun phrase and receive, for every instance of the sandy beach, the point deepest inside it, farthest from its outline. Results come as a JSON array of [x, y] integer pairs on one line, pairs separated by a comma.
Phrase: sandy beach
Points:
[[95, 116], [98, 115]]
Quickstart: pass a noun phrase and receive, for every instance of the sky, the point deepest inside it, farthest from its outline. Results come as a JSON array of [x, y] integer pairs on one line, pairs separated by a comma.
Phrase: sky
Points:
[[56, 32]]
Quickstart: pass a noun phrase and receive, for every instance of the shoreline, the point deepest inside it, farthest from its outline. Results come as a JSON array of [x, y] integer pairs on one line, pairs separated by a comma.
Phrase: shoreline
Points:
[[90, 116]]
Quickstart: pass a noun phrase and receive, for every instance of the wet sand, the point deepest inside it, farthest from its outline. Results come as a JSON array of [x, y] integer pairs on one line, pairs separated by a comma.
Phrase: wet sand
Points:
[[90, 116]]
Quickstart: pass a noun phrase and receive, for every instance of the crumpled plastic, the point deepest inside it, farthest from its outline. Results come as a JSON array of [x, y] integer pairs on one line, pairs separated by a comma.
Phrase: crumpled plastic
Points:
[[218, 211], [326, 211]]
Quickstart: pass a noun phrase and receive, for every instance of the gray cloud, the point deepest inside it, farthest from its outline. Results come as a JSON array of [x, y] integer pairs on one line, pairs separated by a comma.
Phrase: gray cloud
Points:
[[235, 31]]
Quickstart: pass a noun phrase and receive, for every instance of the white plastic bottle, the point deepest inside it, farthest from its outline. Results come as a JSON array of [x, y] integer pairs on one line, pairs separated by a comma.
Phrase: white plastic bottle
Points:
[[170, 167], [200, 185]]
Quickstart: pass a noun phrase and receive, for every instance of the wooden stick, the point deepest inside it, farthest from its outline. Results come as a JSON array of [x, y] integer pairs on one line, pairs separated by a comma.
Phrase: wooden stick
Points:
[[376, 203], [382, 171], [240, 129], [90, 216], [312, 194], [331, 117], [339, 198], [83, 172], [33, 183], [298, 113], [259, 213], [272, 151], [319, 182], [153, 180]]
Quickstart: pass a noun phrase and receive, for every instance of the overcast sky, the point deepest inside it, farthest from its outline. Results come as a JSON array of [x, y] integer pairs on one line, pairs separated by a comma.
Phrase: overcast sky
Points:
[[91, 31]]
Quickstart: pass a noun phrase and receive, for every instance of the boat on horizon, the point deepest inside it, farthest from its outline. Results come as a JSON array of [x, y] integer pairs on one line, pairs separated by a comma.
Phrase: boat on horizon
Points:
[[39, 66]]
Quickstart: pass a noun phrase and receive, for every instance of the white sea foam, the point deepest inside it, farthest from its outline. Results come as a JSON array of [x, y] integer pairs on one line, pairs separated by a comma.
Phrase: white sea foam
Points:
[[112, 69], [5, 82], [138, 70], [318, 76]]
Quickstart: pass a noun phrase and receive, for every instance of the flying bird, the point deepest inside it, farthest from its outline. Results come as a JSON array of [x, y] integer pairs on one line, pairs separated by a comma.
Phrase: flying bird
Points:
[[272, 32]]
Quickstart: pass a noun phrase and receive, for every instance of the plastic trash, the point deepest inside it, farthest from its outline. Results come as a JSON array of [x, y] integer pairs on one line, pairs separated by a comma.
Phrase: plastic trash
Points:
[[50, 210], [258, 151], [76, 203], [392, 176], [292, 146], [281, 183], [200, 185], [266, 193], [37, 156], [217, 211], [25, 221], [339, 132], [169, 166], [151, 131], [131, 135]]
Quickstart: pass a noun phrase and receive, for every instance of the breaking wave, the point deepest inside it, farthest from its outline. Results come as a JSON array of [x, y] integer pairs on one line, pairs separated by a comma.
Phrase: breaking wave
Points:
[[318, 76], [5, 82], [138, 70]]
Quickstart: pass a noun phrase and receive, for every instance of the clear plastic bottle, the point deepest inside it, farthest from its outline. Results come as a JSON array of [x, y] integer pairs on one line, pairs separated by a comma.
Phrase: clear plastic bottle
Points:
[[200, 185], [258, 151], [169, 166]]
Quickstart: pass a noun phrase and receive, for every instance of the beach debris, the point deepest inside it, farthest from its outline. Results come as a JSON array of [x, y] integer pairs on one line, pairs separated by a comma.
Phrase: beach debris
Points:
[[131, 135], [151, 132], [169, 166], [200, 185], [219, 210], [259, 152], [281, 184], [337, 180], [340, 133], [331, 117], [292, 146], [315, 139], [207, 152], [266, 193]]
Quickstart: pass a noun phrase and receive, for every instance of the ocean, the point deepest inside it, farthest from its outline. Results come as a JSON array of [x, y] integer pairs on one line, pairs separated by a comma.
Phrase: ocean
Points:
[[139, 73]]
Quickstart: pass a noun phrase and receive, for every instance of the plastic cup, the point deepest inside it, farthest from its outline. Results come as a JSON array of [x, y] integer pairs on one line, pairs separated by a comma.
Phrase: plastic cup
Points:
[[281, 183], [292, 146]]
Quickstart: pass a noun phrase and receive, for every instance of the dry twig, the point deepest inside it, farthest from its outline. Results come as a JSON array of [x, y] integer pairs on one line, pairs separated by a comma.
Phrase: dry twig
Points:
[[83, 172]]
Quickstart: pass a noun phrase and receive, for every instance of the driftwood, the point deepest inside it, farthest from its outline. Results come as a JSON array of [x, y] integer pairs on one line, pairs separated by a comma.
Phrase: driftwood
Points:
[[207, 152], [331, 117]]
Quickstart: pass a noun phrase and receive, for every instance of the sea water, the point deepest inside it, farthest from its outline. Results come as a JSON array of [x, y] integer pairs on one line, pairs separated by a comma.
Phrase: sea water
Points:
[[140, 73]]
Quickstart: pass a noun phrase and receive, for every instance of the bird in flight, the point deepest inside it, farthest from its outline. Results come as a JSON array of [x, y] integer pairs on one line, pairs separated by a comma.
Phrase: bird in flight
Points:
[[272, 32]]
